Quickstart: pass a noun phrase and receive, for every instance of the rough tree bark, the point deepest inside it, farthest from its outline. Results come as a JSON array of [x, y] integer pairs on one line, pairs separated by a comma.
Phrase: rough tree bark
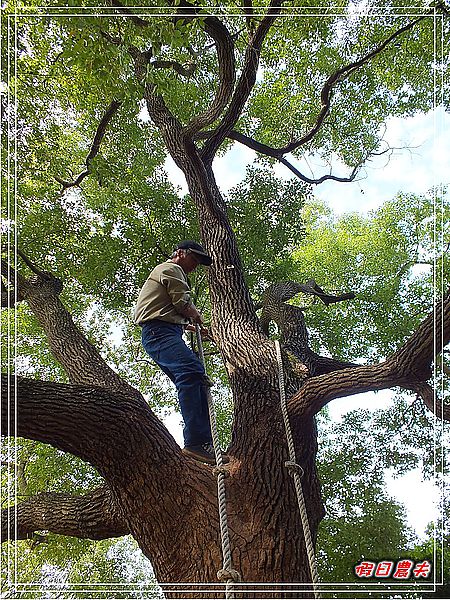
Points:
[[165, 500]]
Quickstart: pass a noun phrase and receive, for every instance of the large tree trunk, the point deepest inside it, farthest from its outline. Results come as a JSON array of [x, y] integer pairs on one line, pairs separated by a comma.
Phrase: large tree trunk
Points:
[[169, 503], [267, 537]]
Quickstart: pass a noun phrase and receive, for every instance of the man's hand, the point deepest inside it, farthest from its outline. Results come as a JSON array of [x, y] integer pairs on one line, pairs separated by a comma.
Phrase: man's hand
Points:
[[204, 331], [192, 313]]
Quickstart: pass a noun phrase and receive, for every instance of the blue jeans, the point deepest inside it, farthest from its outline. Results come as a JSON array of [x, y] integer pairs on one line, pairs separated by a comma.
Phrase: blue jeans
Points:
[[163, 341]]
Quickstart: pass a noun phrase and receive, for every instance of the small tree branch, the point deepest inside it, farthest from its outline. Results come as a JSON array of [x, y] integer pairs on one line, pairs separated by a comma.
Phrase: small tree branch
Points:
[[93, 516], [126, 12], [176, 66], [95, 147], [328, 177], [12, 292], [335, 78], [34, 268]]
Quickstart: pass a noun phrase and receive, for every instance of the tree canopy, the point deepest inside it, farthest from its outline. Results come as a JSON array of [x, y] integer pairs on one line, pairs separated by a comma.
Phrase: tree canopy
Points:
[[93, 102]]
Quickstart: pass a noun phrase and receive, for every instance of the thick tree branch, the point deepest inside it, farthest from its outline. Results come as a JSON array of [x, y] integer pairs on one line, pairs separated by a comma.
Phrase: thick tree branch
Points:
[[409, 367], [34, 268], [80, 359], [95, 147], [152, 483], [8, 299], [248, 12], [170, 127], [163, 118], [226, 69], [427, 342], [93, 516], [246, 81], [103, 427], [8, 294]]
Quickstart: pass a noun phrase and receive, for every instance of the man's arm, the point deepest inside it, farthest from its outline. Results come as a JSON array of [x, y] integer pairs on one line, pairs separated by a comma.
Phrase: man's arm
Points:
[[190, 311], [180, 295]]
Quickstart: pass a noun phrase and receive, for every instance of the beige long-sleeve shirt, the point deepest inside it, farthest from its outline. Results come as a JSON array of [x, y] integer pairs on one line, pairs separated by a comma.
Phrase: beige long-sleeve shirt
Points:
[[163, 295]]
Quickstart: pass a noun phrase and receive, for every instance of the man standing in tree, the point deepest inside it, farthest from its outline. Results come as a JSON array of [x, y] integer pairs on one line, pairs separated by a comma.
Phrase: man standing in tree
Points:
[[164, 308]]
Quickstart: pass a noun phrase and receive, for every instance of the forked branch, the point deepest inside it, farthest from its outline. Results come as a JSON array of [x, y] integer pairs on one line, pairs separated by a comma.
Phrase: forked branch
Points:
[[225, 130], [291, 323], [226, 68], [224, 45], [79, 358], [246, 81], [409, 368], [275, 153], [336, 77]]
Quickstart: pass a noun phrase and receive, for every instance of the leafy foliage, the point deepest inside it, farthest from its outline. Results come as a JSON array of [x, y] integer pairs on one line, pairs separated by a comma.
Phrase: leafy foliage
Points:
[[66, 567], [361, 520], [389, 258], [103, 237]]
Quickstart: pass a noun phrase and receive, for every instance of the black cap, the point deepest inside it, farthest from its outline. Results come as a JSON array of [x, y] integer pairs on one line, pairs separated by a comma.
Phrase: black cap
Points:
[[197, 249]]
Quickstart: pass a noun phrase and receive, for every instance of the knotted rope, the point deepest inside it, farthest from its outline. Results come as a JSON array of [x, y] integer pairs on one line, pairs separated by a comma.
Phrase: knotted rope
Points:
[[226, 574], [296, 471]]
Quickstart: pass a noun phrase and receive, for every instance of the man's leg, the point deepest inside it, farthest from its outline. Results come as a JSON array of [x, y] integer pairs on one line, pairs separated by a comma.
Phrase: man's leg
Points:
[[164, 343]]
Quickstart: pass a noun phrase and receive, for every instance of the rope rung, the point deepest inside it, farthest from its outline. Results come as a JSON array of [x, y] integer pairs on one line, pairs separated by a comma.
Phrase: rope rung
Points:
[[227, 575], [294, 467], [222, 470]]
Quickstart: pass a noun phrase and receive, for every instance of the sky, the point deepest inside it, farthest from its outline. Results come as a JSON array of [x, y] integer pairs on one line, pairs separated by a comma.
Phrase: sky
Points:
[[420, 162]]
